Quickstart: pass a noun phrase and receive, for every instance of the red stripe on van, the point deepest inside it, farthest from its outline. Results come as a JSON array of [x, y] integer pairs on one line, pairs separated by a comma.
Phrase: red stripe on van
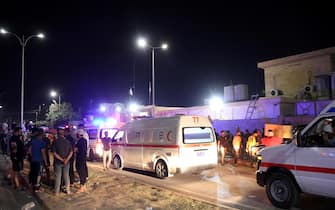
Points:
[[300, 168], [147, 145], [198, 145]]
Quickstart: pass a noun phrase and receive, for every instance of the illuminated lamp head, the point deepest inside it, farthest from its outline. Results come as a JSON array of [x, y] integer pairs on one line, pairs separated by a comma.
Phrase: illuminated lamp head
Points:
[[98, 122], [216, 103], [102, 108], [111, 122]]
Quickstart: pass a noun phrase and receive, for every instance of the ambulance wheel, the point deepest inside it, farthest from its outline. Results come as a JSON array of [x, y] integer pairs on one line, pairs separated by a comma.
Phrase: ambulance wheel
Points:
[[117, 162], [161, 169], [282, 191]]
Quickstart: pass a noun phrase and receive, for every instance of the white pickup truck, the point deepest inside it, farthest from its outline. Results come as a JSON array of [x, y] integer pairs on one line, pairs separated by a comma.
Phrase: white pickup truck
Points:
[[305, 165]]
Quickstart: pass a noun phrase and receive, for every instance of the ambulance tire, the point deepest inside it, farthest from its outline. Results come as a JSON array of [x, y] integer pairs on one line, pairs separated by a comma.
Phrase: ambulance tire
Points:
[[282, 191], [161, 169], [117, 162]]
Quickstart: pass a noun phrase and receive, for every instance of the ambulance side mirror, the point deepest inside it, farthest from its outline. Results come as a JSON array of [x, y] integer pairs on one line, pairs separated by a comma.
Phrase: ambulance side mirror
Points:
[[299, 138]]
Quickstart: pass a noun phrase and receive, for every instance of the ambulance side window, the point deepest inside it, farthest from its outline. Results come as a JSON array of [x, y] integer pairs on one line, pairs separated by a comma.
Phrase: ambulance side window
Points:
[[322, 134], [119, 136]]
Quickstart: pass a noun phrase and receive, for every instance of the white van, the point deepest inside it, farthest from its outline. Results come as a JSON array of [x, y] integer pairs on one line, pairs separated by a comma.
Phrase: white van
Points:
[[166, 145], [306, 165], [95, 134]]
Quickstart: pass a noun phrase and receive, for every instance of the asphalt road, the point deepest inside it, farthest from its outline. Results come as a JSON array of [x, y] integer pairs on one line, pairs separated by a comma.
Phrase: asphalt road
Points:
[[226, 186], [11, 199]]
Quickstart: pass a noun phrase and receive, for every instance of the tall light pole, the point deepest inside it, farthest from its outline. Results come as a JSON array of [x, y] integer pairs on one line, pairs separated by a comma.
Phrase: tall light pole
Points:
[[53, 94], [142, 43], [23, 42]]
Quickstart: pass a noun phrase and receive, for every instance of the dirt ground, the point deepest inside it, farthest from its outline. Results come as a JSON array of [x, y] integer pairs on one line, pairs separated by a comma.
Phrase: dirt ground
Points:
[[107, 190]]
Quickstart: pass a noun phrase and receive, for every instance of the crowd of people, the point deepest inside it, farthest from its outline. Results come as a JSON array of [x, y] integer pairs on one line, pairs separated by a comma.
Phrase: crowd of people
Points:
[[243, 145], [54, 154]]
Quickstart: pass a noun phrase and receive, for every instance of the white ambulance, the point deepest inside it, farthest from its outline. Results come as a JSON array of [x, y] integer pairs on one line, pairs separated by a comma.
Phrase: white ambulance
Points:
[[305, 165], [166, 145]]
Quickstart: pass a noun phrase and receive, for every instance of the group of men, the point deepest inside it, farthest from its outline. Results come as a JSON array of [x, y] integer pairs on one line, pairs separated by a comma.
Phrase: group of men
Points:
[[243, 144], [57, 155]]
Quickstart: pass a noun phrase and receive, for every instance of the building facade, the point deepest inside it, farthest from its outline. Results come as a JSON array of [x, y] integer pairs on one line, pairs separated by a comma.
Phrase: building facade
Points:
[[303, 76]]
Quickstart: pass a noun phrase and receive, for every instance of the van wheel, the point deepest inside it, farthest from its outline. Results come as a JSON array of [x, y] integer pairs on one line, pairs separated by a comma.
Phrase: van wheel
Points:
[[282, 191], [161, 169], [117, 162], [91, 155]]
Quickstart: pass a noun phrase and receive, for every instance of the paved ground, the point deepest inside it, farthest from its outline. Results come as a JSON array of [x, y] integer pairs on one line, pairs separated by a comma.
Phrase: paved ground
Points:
[[110, 190], [225, 187], [11, 199]]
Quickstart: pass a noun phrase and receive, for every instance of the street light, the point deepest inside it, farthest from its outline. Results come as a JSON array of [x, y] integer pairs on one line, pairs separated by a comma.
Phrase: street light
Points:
[[142, 43], [53, 94], [23, 42]]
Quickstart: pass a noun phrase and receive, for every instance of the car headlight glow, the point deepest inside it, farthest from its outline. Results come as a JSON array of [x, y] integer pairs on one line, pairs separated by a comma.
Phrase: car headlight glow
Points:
[[99, 149]]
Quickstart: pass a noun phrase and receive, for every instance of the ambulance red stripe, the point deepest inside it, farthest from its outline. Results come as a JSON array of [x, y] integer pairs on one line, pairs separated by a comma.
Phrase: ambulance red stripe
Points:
[[164, 146], [300, 167], [147, 145]]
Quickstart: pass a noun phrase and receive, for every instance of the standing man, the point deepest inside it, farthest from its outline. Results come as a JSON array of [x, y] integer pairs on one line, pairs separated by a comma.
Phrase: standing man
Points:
[[107, 153], [68, 136], [3, 141], [81, 129], [81, 161], [222, 144], [62, 151], [237, 140], [17, 154], [38, 158]]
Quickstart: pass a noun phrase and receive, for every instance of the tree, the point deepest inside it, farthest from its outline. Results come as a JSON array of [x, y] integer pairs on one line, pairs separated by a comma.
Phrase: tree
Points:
[[61, 113]]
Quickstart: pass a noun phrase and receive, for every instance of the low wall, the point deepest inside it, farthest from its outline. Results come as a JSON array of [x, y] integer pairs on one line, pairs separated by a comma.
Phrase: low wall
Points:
[[252, 124]]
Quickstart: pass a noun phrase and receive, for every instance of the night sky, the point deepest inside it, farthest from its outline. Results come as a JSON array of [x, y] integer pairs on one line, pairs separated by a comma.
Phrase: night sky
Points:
[[90, 53]]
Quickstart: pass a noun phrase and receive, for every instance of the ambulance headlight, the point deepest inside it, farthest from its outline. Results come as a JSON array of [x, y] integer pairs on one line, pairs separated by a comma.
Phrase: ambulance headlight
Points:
[[99, 149]]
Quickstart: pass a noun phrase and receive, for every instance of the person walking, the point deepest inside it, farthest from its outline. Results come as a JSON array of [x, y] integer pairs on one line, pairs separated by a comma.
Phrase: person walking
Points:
[[107, 152], [62, 151], [237, 140], [38, 158], [17, 155], [81, 165], [221, 145]]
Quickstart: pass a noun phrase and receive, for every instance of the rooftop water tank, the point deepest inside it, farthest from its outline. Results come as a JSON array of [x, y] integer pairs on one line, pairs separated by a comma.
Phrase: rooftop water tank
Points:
[[228, 93], [241, 92]]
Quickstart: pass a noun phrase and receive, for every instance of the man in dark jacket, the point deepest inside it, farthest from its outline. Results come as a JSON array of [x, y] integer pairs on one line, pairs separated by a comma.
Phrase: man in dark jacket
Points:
[[17, 154], [73, 143]]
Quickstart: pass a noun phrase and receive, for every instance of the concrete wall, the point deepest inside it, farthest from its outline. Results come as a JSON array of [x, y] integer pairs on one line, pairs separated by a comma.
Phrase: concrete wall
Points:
[[232, 125], [292, 77]]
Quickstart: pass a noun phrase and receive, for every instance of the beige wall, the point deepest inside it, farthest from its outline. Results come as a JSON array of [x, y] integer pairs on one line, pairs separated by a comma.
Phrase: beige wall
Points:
[[292, 77]]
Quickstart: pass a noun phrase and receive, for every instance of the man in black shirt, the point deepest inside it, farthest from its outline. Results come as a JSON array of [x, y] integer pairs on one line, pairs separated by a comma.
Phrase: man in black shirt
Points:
[[81, 166], [73, 143], [17, 154]]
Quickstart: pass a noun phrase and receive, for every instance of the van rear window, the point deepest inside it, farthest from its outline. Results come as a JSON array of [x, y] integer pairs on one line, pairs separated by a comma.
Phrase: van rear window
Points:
[[196, 135], [111, 132]]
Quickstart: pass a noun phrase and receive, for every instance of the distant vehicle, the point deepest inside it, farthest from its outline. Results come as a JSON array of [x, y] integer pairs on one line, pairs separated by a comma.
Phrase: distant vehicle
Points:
[[305, 165], [166, 145], [95, 134]]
